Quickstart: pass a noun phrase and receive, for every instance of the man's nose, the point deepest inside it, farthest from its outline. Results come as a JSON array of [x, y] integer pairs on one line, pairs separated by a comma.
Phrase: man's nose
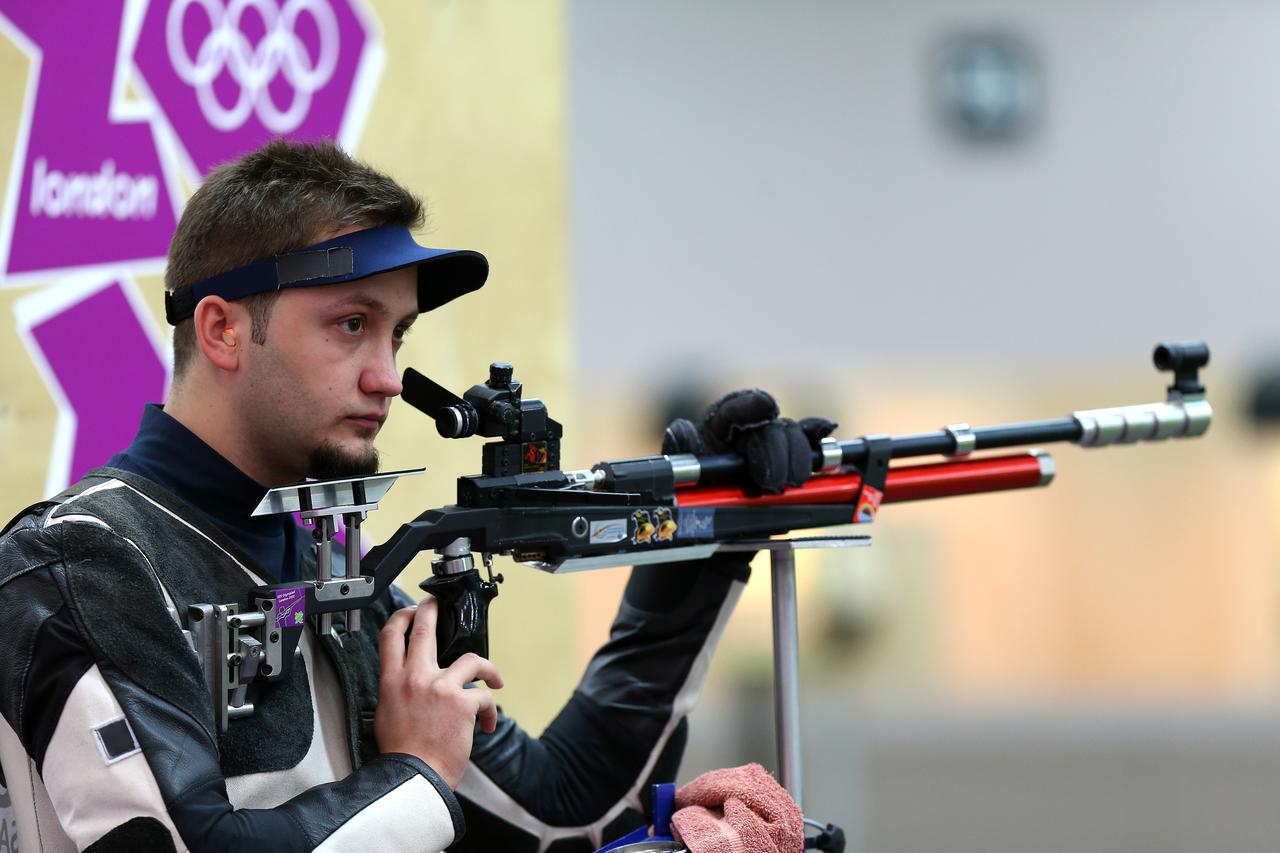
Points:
[[380, 376]]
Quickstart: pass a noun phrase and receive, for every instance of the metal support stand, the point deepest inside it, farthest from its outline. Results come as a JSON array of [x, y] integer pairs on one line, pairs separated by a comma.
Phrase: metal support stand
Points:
[[786, 646], [786, 671]]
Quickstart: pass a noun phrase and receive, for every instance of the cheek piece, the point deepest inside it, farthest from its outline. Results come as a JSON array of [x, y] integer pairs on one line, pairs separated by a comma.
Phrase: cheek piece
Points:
[[443, 274]]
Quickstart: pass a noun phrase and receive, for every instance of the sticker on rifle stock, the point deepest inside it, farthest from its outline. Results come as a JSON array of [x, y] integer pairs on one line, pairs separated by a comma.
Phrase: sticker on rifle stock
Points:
[[291, 607], [868, 505], [608, 530], [533, 457], [696, 523]]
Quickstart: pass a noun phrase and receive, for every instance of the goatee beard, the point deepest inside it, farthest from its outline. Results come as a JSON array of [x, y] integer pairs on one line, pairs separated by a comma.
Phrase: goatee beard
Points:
[[330, 462]]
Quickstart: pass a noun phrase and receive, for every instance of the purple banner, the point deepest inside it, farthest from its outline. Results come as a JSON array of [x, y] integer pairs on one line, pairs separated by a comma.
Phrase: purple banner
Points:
[[94, 166], [125, 98], [229, 76], [69, 330], [89, 191]]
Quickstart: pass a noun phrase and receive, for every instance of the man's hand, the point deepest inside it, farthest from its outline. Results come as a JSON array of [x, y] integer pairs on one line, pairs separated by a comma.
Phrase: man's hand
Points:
[[779, 451], [426, 711]]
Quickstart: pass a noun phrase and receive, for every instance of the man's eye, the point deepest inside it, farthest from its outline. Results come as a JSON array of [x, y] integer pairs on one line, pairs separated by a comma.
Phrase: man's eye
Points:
[[353, 325], [401, 332]]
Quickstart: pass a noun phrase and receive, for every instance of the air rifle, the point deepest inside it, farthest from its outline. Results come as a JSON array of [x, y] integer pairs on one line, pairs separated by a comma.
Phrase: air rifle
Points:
[[650, 509]]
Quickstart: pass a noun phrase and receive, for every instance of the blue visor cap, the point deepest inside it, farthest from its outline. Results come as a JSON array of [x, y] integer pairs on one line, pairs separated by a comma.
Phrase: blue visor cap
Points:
[[443, 274]]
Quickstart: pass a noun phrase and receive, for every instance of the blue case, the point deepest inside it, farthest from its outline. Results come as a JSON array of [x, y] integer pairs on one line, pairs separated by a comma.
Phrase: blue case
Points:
[[664, 804]]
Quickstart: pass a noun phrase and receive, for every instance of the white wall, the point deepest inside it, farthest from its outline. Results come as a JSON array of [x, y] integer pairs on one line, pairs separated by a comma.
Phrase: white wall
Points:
[[767, 182]]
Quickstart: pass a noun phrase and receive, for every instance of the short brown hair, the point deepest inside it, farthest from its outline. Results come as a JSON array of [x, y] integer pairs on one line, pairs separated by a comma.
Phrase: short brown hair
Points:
[[277, 199]]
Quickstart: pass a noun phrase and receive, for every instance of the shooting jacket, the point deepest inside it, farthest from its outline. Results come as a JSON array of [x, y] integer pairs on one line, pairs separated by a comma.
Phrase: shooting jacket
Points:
[[108, 740]]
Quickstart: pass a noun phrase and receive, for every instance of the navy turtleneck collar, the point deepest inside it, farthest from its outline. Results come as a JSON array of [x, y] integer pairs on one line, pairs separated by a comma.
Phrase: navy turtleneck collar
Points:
[[172, 456]]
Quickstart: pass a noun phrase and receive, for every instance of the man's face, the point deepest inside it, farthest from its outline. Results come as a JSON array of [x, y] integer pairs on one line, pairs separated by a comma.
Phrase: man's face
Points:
[[316, 393]]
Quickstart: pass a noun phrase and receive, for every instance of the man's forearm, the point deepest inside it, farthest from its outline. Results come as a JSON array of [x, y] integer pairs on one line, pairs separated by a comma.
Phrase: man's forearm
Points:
[[586, 775]]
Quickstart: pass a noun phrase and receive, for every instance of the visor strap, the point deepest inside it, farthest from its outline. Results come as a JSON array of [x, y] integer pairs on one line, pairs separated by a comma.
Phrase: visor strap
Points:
[[178, 305], [307, 266], [261, 277]]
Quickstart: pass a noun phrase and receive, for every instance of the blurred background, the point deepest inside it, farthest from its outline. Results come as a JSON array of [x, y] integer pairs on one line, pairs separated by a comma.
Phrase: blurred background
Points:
[[897, 215]]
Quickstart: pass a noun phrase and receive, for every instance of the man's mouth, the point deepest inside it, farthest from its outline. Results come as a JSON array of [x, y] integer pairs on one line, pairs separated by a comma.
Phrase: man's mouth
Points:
[[366, 421]]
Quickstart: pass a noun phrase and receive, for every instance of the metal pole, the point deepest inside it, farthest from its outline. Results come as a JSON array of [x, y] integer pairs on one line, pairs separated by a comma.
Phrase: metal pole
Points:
[[786, 669], [324, 565], [352, 521]]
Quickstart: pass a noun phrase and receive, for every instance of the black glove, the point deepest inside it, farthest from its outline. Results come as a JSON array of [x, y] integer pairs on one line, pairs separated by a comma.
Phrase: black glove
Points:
[[779, 451]]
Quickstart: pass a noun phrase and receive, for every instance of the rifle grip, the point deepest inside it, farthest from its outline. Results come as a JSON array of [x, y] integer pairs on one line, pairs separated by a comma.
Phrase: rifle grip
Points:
[[463, 622]]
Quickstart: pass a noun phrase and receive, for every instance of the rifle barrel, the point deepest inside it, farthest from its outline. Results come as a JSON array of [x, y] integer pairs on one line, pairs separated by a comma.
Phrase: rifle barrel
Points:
[[1177, 417]]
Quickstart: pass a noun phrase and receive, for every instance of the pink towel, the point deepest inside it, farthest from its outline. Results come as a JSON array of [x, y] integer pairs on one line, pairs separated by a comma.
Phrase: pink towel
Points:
[[739, 810]]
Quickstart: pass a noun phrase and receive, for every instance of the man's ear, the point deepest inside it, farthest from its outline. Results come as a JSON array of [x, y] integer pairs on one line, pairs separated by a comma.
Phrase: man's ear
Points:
[[222, 330]]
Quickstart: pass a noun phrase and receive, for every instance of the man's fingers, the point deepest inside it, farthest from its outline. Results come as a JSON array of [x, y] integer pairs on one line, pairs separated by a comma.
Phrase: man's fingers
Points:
[[391, 640], [486, 710], [816, 429], [422, 640], [765, 449], [740, 410], [799, 453], [471, 667], [681, 437]]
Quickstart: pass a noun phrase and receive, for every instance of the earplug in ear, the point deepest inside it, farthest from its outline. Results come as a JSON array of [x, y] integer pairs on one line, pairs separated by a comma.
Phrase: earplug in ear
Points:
[[229, 337]]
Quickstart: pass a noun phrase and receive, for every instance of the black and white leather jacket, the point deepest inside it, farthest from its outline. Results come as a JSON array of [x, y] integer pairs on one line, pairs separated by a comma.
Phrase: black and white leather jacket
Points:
[[108, 742]]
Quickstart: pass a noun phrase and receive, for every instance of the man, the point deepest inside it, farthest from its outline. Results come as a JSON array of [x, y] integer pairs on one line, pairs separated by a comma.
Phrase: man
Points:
[[292, 280]]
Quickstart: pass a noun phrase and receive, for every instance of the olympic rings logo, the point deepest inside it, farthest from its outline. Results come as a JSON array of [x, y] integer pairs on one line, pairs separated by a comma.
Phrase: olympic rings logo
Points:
[[253, 68]]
